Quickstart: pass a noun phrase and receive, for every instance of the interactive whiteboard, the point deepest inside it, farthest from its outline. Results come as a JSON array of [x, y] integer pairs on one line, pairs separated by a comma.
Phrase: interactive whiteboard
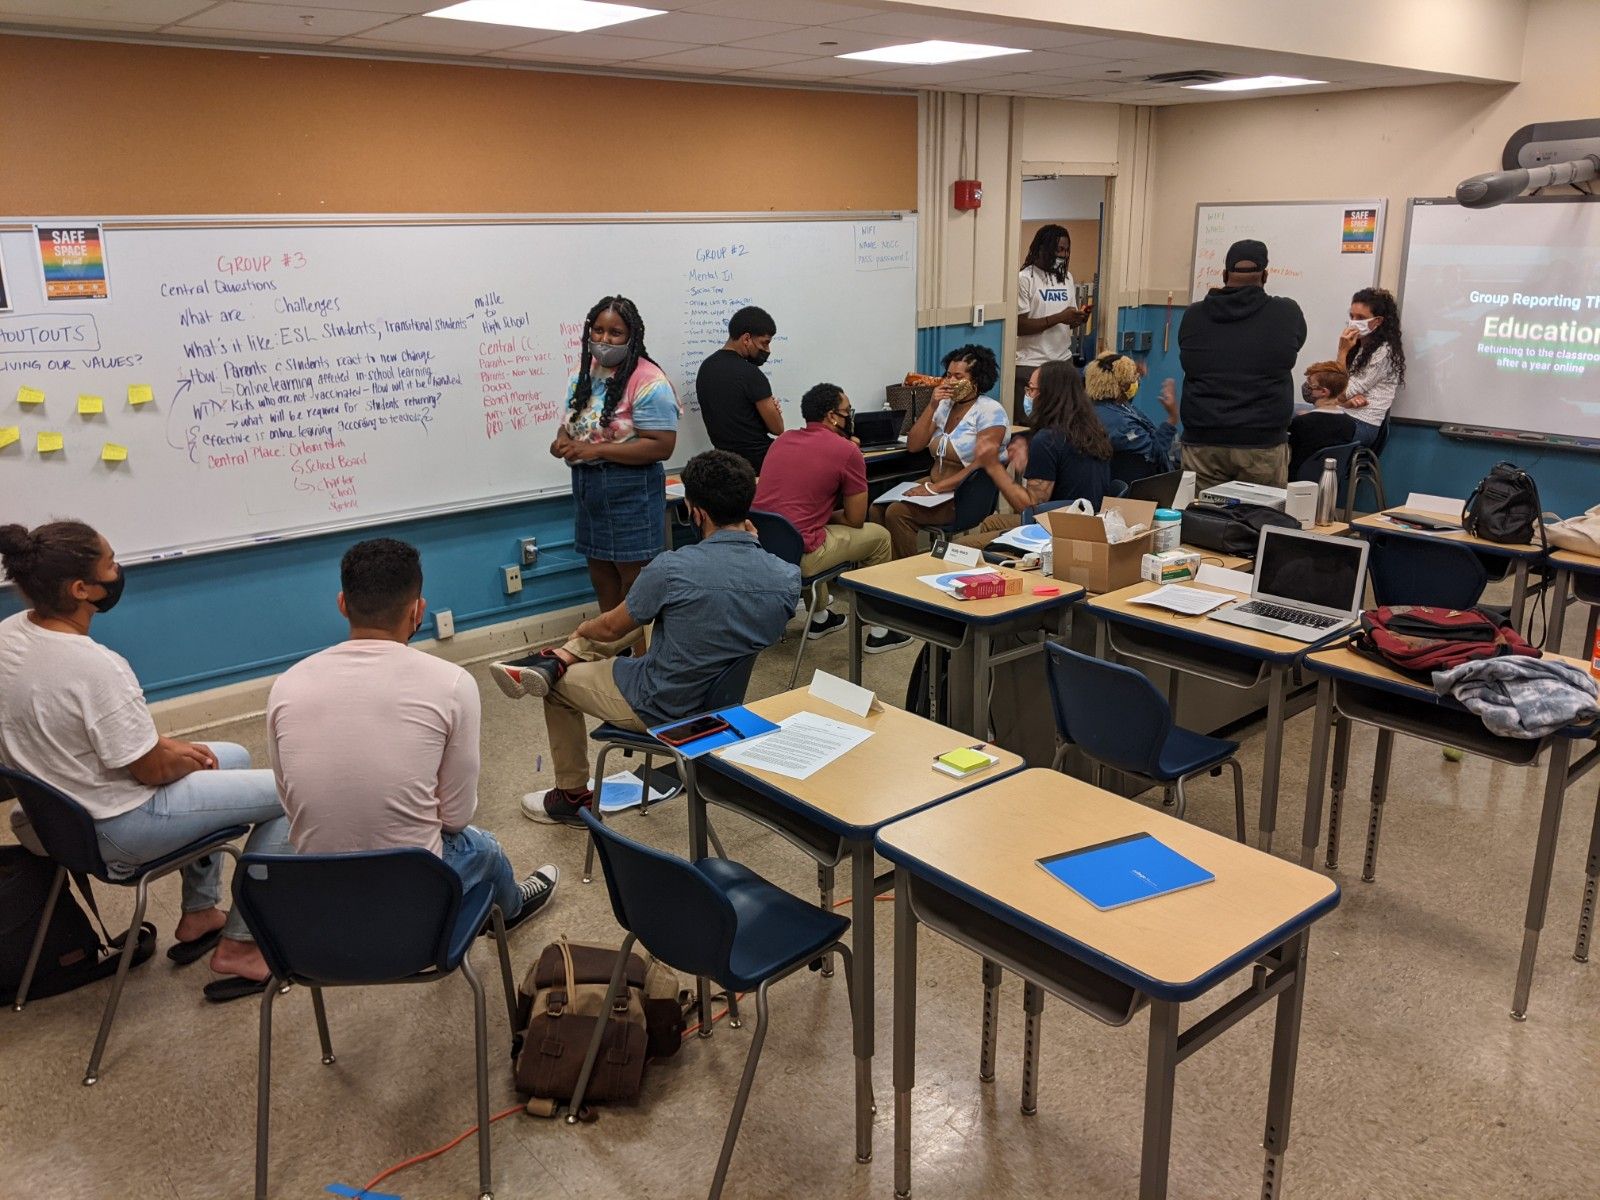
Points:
[[1319, 253], [252, 378]]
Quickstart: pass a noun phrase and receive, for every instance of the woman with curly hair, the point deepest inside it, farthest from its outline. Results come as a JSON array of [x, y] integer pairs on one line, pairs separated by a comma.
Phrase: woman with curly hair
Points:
[[1370, 350], [1112, 380]]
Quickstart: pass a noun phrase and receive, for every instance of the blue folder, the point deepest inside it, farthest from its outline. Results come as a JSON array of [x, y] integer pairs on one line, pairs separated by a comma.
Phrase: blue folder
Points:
[[1125, 870], [742, 725]]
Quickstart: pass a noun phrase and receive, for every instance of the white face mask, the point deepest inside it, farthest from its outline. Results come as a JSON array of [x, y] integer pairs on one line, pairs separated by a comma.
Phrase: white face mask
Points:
[[1363, 327]]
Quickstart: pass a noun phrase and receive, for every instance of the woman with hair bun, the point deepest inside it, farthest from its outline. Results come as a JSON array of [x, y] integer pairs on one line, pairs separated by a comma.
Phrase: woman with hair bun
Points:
[[73, 715]]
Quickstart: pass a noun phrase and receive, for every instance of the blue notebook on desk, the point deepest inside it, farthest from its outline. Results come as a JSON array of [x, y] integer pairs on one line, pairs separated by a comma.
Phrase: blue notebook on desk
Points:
[[1125, 870], [742, 726]]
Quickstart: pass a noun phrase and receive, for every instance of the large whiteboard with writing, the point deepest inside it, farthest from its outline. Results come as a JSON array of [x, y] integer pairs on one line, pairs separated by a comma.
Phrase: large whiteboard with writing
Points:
[[305, 375], [1319, 253]]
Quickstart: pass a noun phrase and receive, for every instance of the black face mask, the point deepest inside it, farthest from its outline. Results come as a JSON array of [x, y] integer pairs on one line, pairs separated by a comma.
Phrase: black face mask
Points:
[[113, 592], [1305, 392], [849, 429], [759, 358]]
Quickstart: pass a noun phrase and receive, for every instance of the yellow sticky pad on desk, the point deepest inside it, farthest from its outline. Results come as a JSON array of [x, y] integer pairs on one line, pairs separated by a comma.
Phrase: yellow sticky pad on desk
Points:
[[111, 452], [89, 405], [9, 434], [49, 443], [28, 395], [140, 393], [965, 759]]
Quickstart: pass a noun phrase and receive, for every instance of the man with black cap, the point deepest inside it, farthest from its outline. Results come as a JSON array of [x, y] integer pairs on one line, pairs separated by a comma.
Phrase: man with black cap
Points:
[[1238, 348]]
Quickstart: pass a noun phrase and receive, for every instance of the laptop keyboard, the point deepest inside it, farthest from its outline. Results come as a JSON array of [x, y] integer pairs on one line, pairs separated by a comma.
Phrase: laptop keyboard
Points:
[[1259, 608]]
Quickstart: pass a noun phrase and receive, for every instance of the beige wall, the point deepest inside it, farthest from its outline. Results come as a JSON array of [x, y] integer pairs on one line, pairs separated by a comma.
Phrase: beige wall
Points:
[[1395, 143], [963, 255], [1066, 131], [1085, 237]]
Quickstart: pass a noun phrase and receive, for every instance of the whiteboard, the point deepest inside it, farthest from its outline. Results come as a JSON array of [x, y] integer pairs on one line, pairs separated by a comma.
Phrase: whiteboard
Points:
[[1310, 257], [312, 374], [1501, 314]]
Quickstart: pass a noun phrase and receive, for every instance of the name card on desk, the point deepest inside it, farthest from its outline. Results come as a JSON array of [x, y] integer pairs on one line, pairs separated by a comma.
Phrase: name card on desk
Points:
[[845, 694], [1225, 577], [962, 556]]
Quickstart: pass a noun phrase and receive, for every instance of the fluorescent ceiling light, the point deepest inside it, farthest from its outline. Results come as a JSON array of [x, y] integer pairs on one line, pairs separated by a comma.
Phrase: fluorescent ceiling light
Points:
[[1254, 84], [927, 54], [568, 16]]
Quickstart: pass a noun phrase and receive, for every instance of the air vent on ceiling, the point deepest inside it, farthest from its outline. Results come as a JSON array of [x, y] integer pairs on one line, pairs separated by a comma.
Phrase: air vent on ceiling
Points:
[[1188, 78]]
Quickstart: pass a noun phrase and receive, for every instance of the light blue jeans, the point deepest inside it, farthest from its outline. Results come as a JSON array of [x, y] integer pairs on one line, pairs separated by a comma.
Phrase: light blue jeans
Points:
[[474, 855], [199, 804]]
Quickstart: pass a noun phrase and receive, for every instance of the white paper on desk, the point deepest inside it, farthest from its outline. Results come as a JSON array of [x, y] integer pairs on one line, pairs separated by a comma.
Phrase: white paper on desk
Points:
[[800, 747], [1444, 506], [1191, 602], [1226, 577], [848, 696], [899, 490], [946, 583]]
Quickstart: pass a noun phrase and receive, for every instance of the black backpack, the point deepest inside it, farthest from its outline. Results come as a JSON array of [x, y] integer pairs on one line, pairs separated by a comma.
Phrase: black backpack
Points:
[[1230, 528], [1504, 507], [72, 955]]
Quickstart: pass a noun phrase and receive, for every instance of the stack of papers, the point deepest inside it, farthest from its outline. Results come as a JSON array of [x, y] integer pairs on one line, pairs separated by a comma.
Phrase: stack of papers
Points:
[[802, 745], [1175, 597], [1027, 538], [626, 790], [899, 490]]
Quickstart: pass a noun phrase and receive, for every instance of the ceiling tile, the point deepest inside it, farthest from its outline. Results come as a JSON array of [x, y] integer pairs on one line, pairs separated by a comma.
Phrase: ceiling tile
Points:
[[805, 12], [443, 35], [111, 14], [700, 30], [718, 58], [809, 40], [593, 48], [280, 20], [949, 73], [1133, 48], [917, 27], [818, 69], [1069, 91]]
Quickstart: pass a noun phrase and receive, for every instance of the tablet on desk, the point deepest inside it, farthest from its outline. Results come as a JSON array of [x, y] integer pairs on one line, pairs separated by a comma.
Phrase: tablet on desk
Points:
[[1125, 870]]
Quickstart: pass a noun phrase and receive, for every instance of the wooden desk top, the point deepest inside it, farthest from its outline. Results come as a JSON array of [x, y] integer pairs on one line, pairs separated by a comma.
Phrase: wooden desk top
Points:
[[898, 581], [1347, 664], [886, 777], [1217, 558], [1571, 560], [1378, 523], [1118, 606], [983, 847]]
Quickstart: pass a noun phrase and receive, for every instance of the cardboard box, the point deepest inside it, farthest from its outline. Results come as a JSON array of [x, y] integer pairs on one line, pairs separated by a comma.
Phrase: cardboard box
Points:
[[1170, 566], [1080, 553]]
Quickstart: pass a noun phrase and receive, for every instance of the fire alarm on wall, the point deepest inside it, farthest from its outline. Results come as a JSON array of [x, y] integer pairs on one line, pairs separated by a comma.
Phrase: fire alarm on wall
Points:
[[968, 194]]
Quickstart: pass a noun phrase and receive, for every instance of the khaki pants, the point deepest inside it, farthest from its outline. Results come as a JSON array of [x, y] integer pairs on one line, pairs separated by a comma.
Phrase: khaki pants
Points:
[[992, 527], [867, 547], [587, 689], [1212, 465], [906, 521]]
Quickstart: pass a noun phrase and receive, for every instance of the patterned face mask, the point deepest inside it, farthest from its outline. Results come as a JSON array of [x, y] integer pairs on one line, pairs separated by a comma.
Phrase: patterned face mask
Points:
[[962, 390]]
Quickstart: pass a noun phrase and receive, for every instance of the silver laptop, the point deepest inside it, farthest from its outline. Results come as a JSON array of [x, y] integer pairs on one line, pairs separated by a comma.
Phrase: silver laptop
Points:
[[1306, 585]]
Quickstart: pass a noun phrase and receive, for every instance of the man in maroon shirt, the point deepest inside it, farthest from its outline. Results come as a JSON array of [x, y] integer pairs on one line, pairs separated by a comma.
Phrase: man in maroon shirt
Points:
[[816, 478]]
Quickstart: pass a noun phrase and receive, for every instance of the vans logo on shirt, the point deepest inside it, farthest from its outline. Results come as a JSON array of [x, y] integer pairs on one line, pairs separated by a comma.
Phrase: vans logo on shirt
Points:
[[1055, 296]]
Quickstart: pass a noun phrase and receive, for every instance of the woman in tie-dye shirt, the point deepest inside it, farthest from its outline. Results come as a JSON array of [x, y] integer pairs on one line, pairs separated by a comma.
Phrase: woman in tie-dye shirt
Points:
[[620, 426]]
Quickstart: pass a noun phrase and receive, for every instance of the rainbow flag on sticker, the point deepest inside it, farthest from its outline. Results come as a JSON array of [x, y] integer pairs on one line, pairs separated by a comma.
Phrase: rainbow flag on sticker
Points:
[[72, 260], [1360, 231]]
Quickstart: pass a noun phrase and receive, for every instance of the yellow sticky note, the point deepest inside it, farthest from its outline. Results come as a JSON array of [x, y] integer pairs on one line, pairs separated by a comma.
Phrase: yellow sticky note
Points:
[[140, 393], [49, 443], [89, 405], [965, 759], [111, 452], [28, 395], [9, 434]]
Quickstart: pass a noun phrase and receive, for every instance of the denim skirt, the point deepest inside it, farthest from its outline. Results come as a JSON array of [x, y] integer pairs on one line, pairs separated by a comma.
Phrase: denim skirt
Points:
[[622, 511]]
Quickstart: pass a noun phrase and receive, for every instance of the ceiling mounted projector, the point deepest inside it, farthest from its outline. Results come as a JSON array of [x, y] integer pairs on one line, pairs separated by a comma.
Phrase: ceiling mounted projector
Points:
[[1537, 156]]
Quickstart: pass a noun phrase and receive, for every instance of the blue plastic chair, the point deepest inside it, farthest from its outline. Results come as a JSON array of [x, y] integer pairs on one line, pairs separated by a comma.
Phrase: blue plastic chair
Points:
[[1410, 570], [67, 833], [352, 920], [1118, 718], [780, 538], [709, 918], [975, 498]]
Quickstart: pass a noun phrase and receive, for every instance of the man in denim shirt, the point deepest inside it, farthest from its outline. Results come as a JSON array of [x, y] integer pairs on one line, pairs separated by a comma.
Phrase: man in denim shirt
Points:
[[713, 603]]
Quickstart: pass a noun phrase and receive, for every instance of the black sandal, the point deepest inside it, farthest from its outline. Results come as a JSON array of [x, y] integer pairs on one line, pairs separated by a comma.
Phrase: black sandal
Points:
[[184, 953]]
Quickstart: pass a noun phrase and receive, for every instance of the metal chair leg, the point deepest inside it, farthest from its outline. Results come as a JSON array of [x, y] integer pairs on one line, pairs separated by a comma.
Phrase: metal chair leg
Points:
[[480, 1021], [716, 842], [1182, 801], [130, 944], [322, 1026], [593, 1055], [805, 630], [1238, 798], [743, 1097], [507, 982], [702, 987], [644, 787], [825, 892], [264, 1086], [38, 938]]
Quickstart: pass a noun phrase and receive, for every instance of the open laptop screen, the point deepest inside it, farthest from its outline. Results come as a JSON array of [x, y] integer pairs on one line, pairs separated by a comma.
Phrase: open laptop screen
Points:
[[1320, 571]]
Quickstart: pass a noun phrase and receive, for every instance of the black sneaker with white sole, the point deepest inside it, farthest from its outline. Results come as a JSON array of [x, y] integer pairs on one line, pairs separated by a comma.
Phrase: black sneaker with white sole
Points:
[[533, 675], [537, 890], [831, 622], [889, 639]]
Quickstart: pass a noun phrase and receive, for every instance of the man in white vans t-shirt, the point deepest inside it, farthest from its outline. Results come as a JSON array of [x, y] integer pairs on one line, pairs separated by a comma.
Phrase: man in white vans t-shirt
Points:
[[1046, 299]]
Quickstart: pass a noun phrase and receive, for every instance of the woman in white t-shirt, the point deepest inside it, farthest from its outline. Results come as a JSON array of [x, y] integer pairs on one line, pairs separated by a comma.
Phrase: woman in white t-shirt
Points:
[[962, 422], [72, 714], [1370, 350], [1047, 298]]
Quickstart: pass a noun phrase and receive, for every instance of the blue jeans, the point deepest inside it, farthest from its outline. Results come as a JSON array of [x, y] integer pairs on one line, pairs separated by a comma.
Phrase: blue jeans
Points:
[[199, 804], [1367, 434], [474, 855]]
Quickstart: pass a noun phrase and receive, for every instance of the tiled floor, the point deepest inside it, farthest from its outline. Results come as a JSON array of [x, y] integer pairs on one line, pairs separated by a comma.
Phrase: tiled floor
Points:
[[1413, 1082]]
